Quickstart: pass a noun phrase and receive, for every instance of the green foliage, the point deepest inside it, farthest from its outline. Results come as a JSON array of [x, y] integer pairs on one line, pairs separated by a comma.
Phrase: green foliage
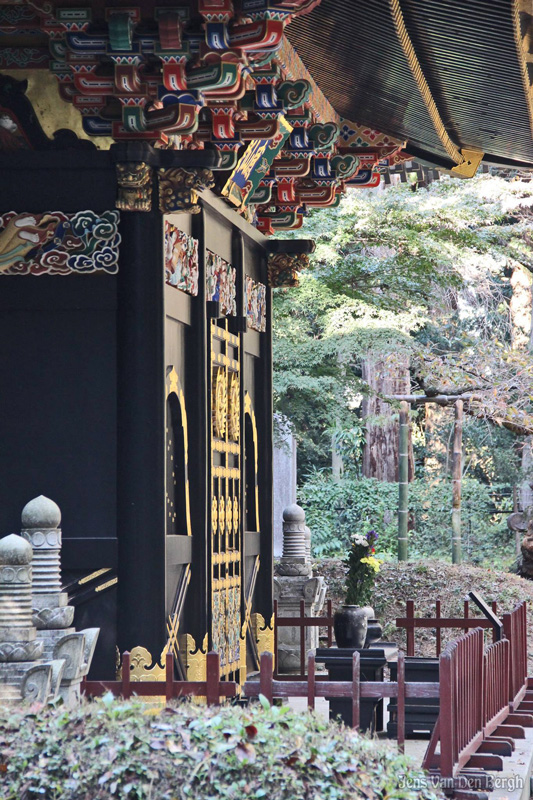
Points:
[[362, 569], [318, 336], [109, 750], [337, 510]]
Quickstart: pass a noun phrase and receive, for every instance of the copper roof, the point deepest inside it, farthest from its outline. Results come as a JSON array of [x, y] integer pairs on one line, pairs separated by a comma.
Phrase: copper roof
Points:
[[467, 53]]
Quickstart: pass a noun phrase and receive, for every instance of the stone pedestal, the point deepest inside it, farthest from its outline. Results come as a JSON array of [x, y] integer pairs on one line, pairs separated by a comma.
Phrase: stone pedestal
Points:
[[52, 615], [22, 674], [294, 582], [35, 617]]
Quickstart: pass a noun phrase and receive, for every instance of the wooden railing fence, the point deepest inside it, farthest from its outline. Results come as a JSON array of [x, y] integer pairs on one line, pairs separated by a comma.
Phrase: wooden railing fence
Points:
[[355, 690], [484, 700], [410, 623], [212, 688], [302, 622], [515, 629]]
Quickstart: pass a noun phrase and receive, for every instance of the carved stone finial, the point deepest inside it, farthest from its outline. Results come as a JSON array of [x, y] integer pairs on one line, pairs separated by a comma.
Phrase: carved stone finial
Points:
[[17, 634], [294, 559], [14, 551], [40, 527], [41, 512]]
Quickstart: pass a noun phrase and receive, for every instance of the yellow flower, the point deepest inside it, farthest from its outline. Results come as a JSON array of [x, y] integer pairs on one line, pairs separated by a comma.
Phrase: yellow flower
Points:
[[372, 562]]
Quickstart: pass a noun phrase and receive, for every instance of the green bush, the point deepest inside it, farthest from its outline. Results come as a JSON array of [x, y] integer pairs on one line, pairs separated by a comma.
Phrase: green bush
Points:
[[108, 749], [336, 510]]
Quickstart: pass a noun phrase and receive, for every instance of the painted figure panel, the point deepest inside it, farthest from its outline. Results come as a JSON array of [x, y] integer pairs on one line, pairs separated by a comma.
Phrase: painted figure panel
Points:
[[221, 283], [255, 305], [181, 260]]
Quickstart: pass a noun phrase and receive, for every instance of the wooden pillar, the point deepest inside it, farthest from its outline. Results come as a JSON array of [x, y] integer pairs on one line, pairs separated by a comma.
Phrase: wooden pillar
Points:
[[403, 481], [199, 421], [457, 470], [141, 434], [264, 413]]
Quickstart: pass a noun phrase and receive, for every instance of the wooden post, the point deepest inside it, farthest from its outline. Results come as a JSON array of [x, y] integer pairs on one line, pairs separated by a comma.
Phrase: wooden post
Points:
[[212, 684], [266, 676], [401, 701], [457, 474], [403, 481], [356, 690], [126, 676], [311, 682]]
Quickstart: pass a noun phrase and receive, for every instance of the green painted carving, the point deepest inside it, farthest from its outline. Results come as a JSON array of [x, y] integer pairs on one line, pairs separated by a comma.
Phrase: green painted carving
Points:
[[324, 136], [294, 93]]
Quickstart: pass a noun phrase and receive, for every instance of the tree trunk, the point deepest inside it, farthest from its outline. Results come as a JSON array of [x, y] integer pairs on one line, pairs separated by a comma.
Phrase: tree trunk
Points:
[[403, 483], [387, 375], [520, 308], [457, 477], [337, 465], [435, 423]]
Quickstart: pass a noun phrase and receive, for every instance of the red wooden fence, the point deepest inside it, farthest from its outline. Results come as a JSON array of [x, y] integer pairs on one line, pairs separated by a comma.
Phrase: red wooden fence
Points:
[[212, 688], [480, 692], [438, 623], [515, 629], [302, 622], [311, 688], [495, 685]]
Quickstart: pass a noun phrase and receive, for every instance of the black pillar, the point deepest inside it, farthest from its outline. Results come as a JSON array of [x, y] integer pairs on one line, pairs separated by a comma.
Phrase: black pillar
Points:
[[141, 434]]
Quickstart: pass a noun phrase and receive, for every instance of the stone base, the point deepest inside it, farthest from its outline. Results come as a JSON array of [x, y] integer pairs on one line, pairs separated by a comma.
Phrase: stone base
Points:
[[53, 618], [13, 652], [69, 691], [10, 694], [12, 673], [289, 592], [50, 638]]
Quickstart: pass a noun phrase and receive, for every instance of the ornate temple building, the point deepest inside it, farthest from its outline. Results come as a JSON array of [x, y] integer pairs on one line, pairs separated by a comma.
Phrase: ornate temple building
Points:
[[147, 154]]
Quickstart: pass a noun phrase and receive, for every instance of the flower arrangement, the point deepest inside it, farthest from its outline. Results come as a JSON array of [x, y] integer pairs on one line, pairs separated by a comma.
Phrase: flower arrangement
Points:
[[362, 569]]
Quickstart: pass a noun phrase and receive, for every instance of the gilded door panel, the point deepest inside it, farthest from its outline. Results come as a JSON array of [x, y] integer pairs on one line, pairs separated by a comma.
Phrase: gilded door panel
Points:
[[226, 487]]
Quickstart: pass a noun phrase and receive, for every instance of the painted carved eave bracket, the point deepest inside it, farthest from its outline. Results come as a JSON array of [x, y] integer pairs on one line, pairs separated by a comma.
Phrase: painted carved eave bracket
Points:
[[181, 174], [286, 258]]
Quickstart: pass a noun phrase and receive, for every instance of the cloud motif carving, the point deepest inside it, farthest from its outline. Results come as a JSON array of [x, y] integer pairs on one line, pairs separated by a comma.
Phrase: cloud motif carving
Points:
[[54, 243]]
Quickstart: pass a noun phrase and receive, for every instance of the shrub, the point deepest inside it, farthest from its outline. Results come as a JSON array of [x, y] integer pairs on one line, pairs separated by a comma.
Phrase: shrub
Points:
[[109, 750], [337, 510]]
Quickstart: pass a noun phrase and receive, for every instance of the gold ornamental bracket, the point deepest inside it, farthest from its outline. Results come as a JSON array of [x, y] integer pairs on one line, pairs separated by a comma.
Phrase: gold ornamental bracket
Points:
[[264, 633], [134, 184], [179, 188], [468, 167], [143, 666], [286, 258]]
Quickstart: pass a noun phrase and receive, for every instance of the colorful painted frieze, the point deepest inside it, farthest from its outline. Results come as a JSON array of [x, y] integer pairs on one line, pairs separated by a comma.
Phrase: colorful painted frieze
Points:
[[54, 243], [220, 283], [255, 305], [181, 260]]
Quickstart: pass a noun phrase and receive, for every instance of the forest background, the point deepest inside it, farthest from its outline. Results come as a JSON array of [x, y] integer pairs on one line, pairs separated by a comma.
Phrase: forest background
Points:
[[422, 291]]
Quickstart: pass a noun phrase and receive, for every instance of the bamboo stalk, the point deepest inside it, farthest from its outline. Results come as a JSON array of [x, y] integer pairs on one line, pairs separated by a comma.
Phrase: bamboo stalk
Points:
[[456, 482], [403, 481]]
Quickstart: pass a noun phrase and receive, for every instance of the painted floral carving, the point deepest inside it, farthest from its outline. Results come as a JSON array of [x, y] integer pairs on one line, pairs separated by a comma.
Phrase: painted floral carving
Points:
[[57, 244]]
